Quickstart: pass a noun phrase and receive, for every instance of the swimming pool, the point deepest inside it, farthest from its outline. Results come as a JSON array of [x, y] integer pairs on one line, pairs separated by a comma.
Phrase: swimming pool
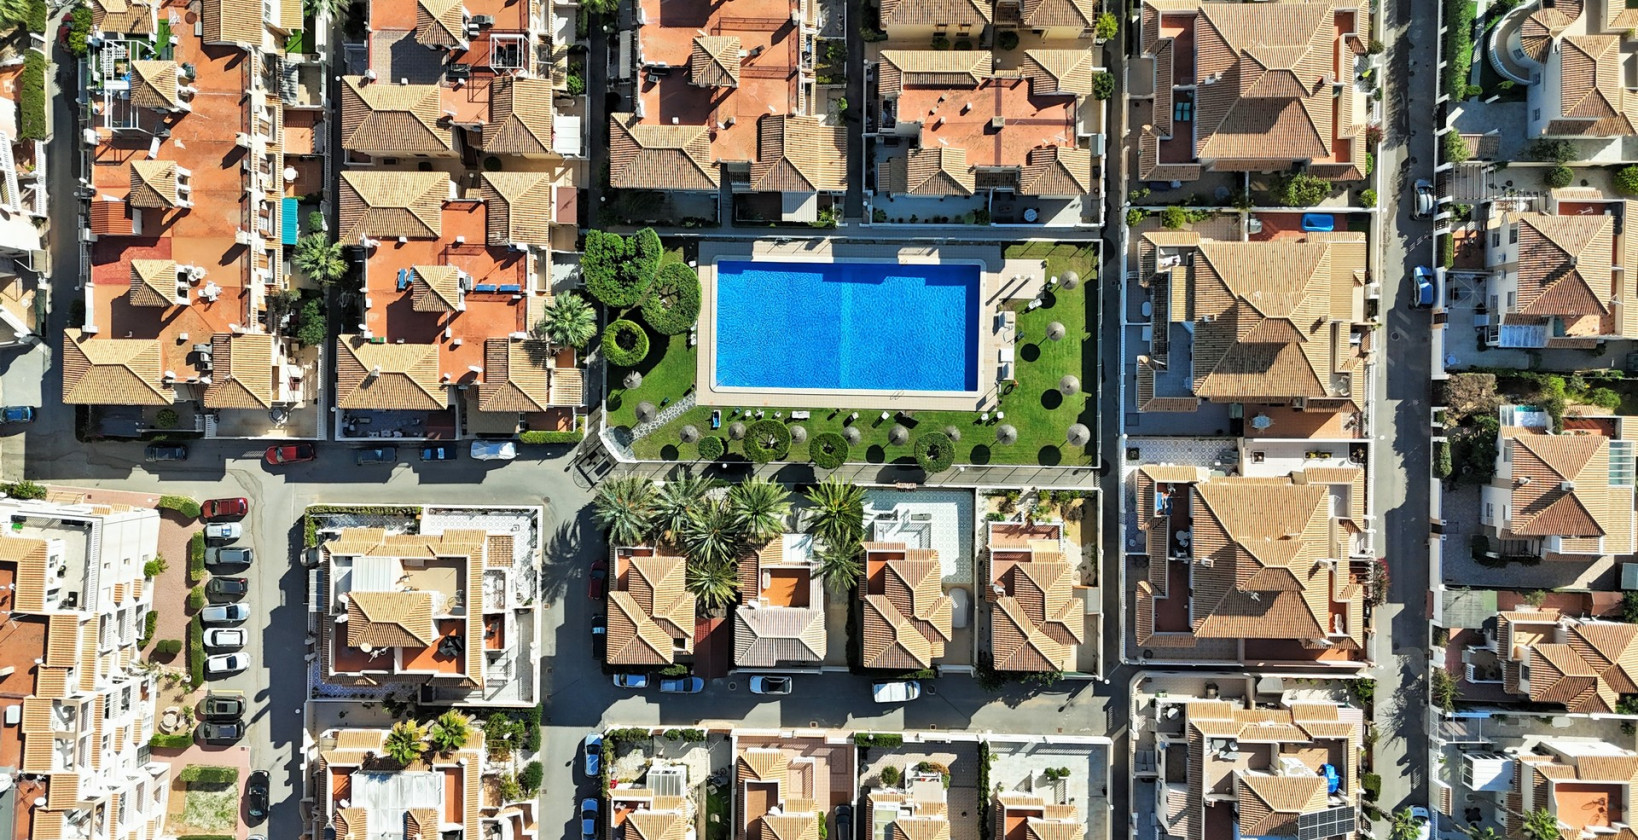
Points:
[[857, 326]]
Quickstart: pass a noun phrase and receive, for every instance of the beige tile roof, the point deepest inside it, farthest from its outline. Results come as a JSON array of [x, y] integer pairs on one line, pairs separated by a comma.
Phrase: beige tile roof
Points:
[[941, 170], [122, 16], [517, 375], [1270, 805], [351, 824], [652, 825], [30, 557], [714, 61], [1564, 264], [789, 827], [390, 619], [421, 824], [244, 375], [1059, 71], [647, 156], [799, 154], [153, 84], [767, 636], [907, 625], [439, 23], [1266, 542], [1591, 90], [763, 765], [435, 288], [1057, 171], [649, 610], [408, 376], [1568, 489], [153, 283], [520, 207], [1587, 667], [387, 205], [153, 184], [520, 117], [1039, 14], [1617, 16], [953, 13], [392, 118], [1038, 623], [233, 21], [112, 371], [900, 69]]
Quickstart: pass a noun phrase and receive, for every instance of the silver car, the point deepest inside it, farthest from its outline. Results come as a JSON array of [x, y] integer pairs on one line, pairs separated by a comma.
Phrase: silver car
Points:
[[1425, 200], [225, 613], [223, 664], [224, 637]]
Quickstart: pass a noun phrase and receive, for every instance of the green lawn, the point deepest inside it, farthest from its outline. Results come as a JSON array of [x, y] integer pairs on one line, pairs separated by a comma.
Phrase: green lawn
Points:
[[1034, 407]]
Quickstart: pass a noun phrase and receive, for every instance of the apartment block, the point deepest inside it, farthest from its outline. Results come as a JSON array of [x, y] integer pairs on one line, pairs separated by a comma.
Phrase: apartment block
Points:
[[1559, 496], [1558, 276]]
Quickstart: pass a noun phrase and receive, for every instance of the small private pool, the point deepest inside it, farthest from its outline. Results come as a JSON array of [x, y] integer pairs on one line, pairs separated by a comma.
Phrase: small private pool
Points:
[[855, 326]]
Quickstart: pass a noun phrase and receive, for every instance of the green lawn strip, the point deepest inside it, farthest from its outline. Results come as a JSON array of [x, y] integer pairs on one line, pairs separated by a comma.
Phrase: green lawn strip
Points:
[[667, 373]]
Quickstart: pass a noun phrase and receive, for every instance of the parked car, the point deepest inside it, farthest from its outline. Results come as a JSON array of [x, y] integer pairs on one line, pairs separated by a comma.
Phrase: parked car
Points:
[[438, 452], [1424, 821], [16, 414], [224, 613], [1425, 200], [229, 556], [588, 819], [594, 755], [1427, 289], [165, 452], [257, 793], [600, 637], [223, 706], [227, 587], [682, 685], [844, 820], [222, 730], [896, 691], [227, 532], [770, 685], [494, 450], [215, 509], [631, 681], [290, 453], [597, 579], [375, 455], [223, 664], [224, 637]]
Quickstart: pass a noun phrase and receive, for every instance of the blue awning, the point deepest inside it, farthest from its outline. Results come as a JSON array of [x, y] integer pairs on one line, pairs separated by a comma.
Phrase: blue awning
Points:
[[289, 225]]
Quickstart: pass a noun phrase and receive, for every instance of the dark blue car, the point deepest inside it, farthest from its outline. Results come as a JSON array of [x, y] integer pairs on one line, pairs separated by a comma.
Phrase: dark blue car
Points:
[[16, 414], [1426, 288], [438, 452]]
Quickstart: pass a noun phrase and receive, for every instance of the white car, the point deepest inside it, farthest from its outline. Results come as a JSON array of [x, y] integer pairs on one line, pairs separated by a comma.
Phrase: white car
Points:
[[898, 691], [224, 531], [220, 637], [224, 613], [494, 450], [226, 663]]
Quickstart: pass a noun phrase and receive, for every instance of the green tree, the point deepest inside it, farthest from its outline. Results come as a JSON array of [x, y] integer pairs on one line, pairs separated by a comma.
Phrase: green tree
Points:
[[625, 506], [406, 742], [1108, 26], [1103, 85], [610, 269], [712, 536], [333, 9], [319, 258], [836, 511], [760, 508], [1541, 824], [1173, 218], [1301, 190], [1626, 181], [713, 585], [1405, 826], [677, 501], [646, 253], [449, 732], [568, 321], [311, 326], [839, 565], [1560, 176]]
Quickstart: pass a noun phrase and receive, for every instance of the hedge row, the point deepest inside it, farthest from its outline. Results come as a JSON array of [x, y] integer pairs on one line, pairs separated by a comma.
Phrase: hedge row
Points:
[[38, 15], [196, 557], [196, 651], [148, 626], [179, 741], [181, 504], [551, 437], [209, 774], [1458, 56], [625, 343], [31, 122], [196, 598], [25, 490]]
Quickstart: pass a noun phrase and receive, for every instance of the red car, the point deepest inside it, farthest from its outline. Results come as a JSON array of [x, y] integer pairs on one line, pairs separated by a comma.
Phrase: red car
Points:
[[599, 576], [216, 509], [294, 453]]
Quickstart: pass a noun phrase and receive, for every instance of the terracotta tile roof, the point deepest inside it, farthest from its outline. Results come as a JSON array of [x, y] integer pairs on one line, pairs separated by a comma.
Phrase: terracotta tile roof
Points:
[[1590, 84], [767, 636], [714, 61], [762, 765], [122, 16], [390, 619], [1567, 493], [387, 205], [1564, 264], [657, 825], [920, 828], [440, 23], [1039, 621], [153, 184], [1057, 171], [932, 171], [112, 371], [435, 288], [789, 827], [517, 375], [1266, 543], [153, 84], [520, 117], [62, 640], [900, 69], [388, 376], [233, 21], [421, 824], [907, 624], [645, 156], [1270, 805], [520, 207], [1616, 15], [351, 824], [1052, 72], [1587, 667], [974, 13], [244, 371], [1039, 14], [392, 118], [799, 154], [153, 283]]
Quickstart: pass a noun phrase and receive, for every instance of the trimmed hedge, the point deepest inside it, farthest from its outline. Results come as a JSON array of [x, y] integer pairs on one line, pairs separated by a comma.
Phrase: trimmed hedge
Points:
[[38, 15], [31, 119], [179, 741], [1626, 180], [613, 274], [25, 489], [167, 647], [1560, 176], [672, 304], [1103, 85], [181, 504], [647, 251], [712, 448], [1458, 53], [1442, 466], [148, 626], [196, 598], [196, 651], [80, 21], [551, 437], [767, 440], [878, 739], [935, 452], [196, 557], [829, 450], [625, 343], [209, 775]]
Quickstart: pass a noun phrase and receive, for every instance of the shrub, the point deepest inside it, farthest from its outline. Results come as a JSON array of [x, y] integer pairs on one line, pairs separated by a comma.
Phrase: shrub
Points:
[[167, 647], [625, 343], [963, 45], [941, 43], [829, 450], [1458, 50], [1444, 689], [196, 557], [196, 598], [712, 448], [1007, 40], [1455, 148], [1301, 190], [1367, 198], [935, 452], [1377, 47], [209, 775], [196, 651], [1370, 163], [1135, 216], [25, 489], [310, 322], [646, 253], [611, 270], [179, 741], [551, 437], [181, 504], [1108, 26], [1371, 785], [672, 304], [767, 440], [31, 118], [531, 777], [1603, 398], [1447, 252], [890, 775], [1560, 176], [878, 739], [1626, 180], [1363, 689], [148, 625], [1173, 218], [80, 32], [1103, 85], [1442, 467], [577, 84], [1629, 607], [1555, 151], [166, 418]]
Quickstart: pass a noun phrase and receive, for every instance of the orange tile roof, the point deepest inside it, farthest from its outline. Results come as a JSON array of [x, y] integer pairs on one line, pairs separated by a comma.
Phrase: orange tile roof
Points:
[[907, 616], [799, 154], [520, 207], [1566, 491], [643, 156], [520, 117], [388, 376], [112, 371], [244, 375], [1565, 264], [714, 61], [650, 611], [975, 13]]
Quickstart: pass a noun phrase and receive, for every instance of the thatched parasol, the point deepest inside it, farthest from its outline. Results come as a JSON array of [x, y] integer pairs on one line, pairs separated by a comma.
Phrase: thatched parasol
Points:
[[1071, 279], [898, 435], [736, 431], [952, 433], [1079, 435], [633, 380], [1056, 331], [1069, 385], [646, 411], [1005, 433], [852, 435], [689, 434], [799, 434]]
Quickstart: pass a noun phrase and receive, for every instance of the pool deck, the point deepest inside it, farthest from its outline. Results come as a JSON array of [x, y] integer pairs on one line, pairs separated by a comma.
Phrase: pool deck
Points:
[[995, 286]]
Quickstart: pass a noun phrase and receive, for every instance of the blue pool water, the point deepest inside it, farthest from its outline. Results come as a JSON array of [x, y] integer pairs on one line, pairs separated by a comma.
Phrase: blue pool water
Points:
[[854, 326]]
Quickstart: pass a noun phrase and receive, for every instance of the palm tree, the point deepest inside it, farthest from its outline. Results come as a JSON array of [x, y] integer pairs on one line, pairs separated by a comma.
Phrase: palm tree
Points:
[[838, 510], [1484, 833], [319, 258], [625, 506], [711, 536], [406, 742], [1406, 825], [839, 565], [678, 500], [760, 507], [449, 732], [1541, 824], [569, 321], [333, 8], [713, 584]]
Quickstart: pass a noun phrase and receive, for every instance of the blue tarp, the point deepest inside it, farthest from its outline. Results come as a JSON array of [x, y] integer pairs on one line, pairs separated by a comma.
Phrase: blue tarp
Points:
[[291, 215]]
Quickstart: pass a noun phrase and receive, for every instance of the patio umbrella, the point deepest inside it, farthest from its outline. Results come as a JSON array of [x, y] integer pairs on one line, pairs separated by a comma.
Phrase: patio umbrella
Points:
[[898, 435], [1056, 331], [633, 380], [799, 434], [1069, 385], [852, 435], [1079, 435], [952, 433], [689, 434], [1005, 433], [645, 411], [736, 431], [1071, 280]]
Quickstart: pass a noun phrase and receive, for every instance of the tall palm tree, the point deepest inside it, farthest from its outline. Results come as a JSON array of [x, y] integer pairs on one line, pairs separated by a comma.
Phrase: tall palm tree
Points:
[[1541, 824], [1405, 825], [319, 258], [333, 8], [449, 732], [712, 584], [678, 500], [760, 507], [838, 510], [840, 566], [569, 321], [712, 536], [1482, 833], [625, 506], [406, 742]]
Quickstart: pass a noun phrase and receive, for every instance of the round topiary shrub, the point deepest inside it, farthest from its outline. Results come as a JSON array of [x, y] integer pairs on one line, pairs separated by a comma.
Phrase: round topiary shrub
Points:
[[828, 450], [1007, 40], [767, 440], [672, 303], [166, 418], [935, 452], [1626, 181], [1560, 176], [712, 448], [625, 344]]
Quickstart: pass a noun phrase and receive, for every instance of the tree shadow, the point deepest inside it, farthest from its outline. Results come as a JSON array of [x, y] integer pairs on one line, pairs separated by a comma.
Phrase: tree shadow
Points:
[[669, 452], [1029, 352], [980, 455], [1050, 456], [1051, 398], [876, 454]]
